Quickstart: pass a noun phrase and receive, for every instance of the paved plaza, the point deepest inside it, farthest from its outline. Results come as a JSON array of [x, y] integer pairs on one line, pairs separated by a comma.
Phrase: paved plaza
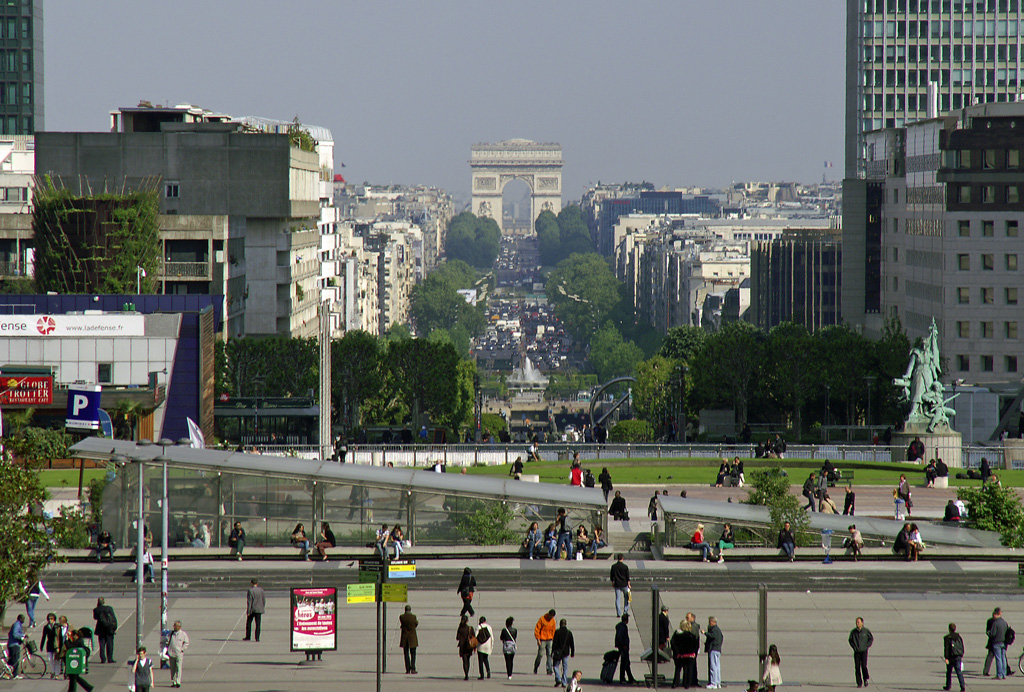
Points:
[[810, 629]]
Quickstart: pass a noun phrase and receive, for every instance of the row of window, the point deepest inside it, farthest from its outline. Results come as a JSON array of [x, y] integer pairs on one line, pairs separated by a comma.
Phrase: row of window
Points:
[[14, 28], [956, 28], [988, 194], [987, 295], [16, 125], [13, 194], [1011, 228], [985, 159], [988, 262], [919, 79], [940, 54], [986, 330], [939, 6], [15, 60], [988, 363]]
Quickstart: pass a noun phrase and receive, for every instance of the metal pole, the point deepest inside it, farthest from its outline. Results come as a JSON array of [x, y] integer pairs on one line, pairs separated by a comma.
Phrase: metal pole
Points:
[[326, 441], [139, 549], [380, 649], [762, 627], [164, 630], [654, 634], [384, 616]]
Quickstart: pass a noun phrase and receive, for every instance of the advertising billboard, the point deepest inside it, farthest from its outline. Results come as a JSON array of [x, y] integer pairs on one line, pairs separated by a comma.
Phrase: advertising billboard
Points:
[[314, 619], [72, 325], [29, 390]]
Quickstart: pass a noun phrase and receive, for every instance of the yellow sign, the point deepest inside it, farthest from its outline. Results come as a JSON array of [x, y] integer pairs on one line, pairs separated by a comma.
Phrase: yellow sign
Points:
[[395, 593], [361, 593]]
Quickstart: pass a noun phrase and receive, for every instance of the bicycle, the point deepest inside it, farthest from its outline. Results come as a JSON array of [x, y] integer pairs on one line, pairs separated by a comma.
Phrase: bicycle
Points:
[[1020, 663], [32, 664]]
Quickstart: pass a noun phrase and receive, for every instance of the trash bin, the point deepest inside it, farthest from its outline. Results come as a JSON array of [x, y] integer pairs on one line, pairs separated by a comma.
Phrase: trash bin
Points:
[[826, 543]]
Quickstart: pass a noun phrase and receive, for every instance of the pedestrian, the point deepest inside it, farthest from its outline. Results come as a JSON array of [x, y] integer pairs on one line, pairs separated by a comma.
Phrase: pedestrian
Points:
[[34, 593], [713, 639], [106, 628], [787, 543], [409, 640], [664, 627], [772, 675], [15, 637], [237, 540], [617, 509], [563, 647], [255, 606], [850, 501], [997, 640], [809, 489], [484, 646], [685, 645], [861, 640], [652, 507], [544, 633], [605, 479], [462, 639], [953, 655], [50, 642], [903, 490], [854, 542], [508, 644], [989, 655], [620, 583], [467, 587], [574, 682], [77, 650], [622, 644], [177, 644], [142, 670], [564, 531]]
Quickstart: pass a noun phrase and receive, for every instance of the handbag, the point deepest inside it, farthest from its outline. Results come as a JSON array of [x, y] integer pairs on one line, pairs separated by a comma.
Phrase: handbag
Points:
[[508, 646], [473, 642]]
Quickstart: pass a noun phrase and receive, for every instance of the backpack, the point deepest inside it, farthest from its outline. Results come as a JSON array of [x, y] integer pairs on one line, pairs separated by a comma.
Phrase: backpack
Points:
[[588, 478], [108, 619], [1010, 636], [483, 635], [957, 646]]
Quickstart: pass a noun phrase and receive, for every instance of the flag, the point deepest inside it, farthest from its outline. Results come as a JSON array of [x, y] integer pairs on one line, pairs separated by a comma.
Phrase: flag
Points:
[[828, 164], [195, 434]]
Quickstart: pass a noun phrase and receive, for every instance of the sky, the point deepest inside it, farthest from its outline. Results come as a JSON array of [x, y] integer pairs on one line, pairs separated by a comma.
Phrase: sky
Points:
[[678, 93]]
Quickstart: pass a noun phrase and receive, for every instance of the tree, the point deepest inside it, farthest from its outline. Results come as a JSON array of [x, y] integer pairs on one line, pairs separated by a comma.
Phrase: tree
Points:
[[788, 369], [890, 361], [769, 487], [612, 356], [24, 543], [355, 374], [423, 377], [726, 371], [653, 392], [549, 238], [995, 508], [583, 291], [277, 366], [473, 239], [842, 357], [573, 231], [436, 303], [683, 343], [631, 431]]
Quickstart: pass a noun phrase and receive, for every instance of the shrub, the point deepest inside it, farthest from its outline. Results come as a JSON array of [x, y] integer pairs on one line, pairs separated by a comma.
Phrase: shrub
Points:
[[489, 524], [70, 528], [631, 431], [769, 487], [96, 488], [995, 508]]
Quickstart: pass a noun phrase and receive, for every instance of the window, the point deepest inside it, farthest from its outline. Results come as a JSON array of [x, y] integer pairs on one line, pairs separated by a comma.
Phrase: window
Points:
[[988, 160], [1012, 194], [987, 331], [895, 254], [965, 229], [987, 296], [987, 364], [963, 330], [963, 363], [965, 158], [963, 295], [988, 228], [895, 283], [964, 262], [104, 373], [1011, 263], [172, 190], [1011, 363], [1011, 295], [1013, 158], [988, 263], [964, 194], [988, 194], [1010, 329], [1011, 229]]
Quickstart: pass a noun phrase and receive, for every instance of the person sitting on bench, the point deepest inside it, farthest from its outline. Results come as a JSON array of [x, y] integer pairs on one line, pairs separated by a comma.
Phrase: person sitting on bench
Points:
[[952, 512], [854, 543], [104, 544]]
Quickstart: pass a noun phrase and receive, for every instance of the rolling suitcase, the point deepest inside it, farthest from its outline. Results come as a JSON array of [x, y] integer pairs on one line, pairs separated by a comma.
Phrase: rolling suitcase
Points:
[[611, 662]]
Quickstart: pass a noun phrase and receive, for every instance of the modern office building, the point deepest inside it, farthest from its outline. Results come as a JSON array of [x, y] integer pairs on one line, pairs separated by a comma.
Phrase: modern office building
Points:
[[21, 67], [648, 202], [946, 211], [907, 60]]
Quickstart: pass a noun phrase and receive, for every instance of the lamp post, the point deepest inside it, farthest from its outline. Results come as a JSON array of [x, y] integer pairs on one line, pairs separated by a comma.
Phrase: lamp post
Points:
[[870, 379], [164, 526], [140, 273], [140, 548]]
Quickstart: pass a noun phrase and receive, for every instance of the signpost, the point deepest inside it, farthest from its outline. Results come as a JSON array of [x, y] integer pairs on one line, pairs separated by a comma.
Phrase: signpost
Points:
[[394, 593], [83, 412], [361, 593], [373, 576]]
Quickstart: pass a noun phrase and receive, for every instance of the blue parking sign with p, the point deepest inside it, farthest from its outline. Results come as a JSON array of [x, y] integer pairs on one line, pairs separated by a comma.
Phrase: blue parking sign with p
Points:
[[83, 408]]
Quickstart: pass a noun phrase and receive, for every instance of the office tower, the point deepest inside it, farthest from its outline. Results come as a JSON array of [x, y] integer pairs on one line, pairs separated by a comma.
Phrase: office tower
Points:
[[21, 67], [907, 60]]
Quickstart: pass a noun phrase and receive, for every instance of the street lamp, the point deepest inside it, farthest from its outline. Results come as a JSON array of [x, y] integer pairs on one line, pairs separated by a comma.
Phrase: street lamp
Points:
[[140, 274], [870, 379], [140, 537]]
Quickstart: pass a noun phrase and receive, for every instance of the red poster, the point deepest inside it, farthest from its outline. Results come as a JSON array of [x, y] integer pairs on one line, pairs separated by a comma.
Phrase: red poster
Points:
[[314, 619], [27, 390]]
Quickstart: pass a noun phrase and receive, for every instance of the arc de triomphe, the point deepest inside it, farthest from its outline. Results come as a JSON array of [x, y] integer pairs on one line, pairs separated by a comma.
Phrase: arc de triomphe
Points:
[[495, 165]]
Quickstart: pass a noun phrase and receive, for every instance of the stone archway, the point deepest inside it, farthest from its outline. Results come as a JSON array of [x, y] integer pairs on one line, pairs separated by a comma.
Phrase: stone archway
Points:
[[495, 165]]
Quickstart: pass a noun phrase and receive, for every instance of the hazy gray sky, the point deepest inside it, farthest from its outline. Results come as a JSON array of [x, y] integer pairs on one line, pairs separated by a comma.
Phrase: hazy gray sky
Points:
[[680, 92]]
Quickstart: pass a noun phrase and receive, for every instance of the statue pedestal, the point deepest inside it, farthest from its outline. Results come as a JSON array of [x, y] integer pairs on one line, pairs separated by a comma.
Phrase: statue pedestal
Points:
[[942, 444], [1013, 450]]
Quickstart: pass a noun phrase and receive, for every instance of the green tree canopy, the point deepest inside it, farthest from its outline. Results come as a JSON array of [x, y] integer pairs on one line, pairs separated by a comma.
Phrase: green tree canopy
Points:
[[24, 544], [549, 238], [583, 291], [557, 238], [789, 369], [683, 343], [727, 370], [436, 303], [611, 355], [355, 374], [653, 392], [473, 239], [267, 366]]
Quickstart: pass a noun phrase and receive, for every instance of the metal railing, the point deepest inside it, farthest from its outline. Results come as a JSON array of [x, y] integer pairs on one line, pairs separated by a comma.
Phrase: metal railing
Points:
[[192, 270]]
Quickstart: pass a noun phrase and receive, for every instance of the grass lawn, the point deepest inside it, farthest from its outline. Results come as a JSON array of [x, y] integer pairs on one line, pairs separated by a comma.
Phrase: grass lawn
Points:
[[704, 471], [58, 478]]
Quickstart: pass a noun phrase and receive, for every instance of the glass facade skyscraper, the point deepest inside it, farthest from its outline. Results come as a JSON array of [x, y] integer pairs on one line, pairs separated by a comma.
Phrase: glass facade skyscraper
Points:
[[21, 67]]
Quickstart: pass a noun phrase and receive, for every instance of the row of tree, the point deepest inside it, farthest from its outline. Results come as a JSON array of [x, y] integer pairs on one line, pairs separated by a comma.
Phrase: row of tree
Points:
[[440, 312], [561, 236], [474, 240]]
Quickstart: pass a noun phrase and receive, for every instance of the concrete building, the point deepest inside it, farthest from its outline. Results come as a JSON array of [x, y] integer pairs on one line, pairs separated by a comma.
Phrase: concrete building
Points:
[[17, 167], [796, 278], [907, 60], [945, 211], [21, 67], [239, 208], [659, 202]]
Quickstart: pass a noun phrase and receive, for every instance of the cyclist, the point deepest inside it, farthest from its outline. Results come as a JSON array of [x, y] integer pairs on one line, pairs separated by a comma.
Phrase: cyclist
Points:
[[15, 637]]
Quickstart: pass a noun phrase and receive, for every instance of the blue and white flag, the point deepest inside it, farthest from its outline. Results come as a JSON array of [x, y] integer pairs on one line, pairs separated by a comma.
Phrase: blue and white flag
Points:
[[195, 433]]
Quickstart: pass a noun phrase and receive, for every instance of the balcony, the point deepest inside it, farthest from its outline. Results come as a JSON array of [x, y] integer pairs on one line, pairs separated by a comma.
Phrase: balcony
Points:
[[186, 270]]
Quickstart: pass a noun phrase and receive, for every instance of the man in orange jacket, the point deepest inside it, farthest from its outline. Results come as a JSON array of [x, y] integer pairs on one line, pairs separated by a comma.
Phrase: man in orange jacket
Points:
[[544, 632]]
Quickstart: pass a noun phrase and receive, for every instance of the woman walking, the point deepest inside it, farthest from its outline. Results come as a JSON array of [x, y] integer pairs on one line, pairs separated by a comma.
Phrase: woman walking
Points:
[[605, 479], [508, 645], [462, 637], [903, 490], [484, 646], [772, 675], [467, 587], [51, 642]]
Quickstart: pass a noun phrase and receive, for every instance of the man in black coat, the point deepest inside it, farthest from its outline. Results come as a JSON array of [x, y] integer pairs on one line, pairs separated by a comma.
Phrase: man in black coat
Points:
[[106, 628], [563, 647], [622, 644], [861, 640], [953, 654], [664, 627]]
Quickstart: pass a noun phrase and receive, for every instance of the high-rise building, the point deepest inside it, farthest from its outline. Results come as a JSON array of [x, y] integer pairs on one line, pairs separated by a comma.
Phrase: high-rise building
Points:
[[21, 67], [907, 60], [795, 278]]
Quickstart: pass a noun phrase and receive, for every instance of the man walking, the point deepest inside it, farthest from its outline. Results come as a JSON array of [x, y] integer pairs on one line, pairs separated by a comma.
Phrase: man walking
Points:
[[563, 647], [255, 606], [620, 582], [106, 628], [861, 640], [409, 639], [544, 633], [713, 646], [953, 654], [177, 643], [664, 627], [997, 641], [809, 491], [622, 644]]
